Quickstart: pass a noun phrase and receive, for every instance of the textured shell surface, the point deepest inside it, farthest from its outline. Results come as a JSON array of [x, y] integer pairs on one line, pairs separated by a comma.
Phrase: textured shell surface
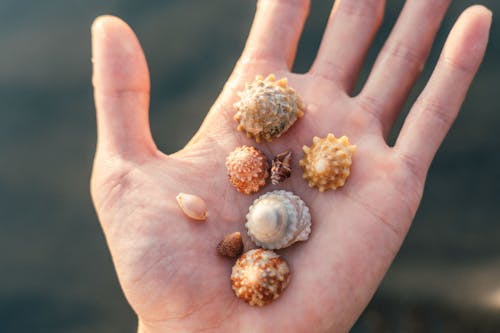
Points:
[[278, 219], [267, 108], [231, 245], [326, 164], [281, 167], [259, 277], [192, 205], [247, 169]]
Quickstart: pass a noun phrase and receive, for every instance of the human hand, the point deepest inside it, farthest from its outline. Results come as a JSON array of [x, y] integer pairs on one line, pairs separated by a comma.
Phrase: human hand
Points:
[[168, 267]]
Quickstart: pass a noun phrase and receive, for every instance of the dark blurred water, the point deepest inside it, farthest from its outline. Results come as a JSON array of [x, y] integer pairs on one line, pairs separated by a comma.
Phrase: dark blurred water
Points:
[[56, 274]]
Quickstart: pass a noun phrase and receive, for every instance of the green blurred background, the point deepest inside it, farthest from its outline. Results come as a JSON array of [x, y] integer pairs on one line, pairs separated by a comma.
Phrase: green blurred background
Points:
[[56, 273]]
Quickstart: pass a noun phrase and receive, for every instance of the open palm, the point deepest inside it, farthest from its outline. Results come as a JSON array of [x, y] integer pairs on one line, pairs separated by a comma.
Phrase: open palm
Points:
[[167, 265]]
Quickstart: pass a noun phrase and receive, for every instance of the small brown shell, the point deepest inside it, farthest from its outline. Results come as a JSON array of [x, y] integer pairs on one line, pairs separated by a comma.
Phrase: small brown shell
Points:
[[259, 277], [247, 169], [326, 164], [192, 205], [267, 108], [231, 246], [281, 168]]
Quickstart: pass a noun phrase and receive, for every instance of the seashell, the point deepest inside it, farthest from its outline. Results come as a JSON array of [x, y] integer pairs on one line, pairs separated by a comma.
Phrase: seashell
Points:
[[192, 205], [326, 164], [281, 169], [267, 108], [259, 277], [247, 169], [278, 219], [231, 246]]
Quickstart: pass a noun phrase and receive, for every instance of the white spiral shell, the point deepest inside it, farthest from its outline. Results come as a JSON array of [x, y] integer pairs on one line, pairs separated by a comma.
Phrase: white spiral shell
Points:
[[278, 219]]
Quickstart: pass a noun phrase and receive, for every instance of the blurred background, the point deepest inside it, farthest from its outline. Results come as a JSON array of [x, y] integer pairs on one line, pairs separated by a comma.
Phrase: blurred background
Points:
[[56, 273]]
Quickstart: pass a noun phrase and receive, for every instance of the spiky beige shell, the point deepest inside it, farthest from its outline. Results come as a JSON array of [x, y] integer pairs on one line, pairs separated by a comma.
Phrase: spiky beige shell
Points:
[[247, 169], [259, 277], [326, 164], [267, 108], [278, 219]]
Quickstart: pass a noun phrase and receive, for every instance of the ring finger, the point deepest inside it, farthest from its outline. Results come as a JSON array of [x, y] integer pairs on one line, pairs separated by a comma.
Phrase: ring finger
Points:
[[401, 60]]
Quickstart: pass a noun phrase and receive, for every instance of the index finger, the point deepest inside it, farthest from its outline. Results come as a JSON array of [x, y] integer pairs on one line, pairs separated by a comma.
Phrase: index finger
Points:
[[121, 89], [276, 31]]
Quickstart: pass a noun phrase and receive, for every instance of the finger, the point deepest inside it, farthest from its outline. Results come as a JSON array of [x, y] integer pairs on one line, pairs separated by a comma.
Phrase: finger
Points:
[[121, 89], [438, 105], [402, 60], [348, 35], [275, 32]]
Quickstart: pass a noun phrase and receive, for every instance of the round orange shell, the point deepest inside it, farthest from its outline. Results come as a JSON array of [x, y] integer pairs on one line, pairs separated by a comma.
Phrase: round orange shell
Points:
[[259, 277], [326, 164], [247, 169]]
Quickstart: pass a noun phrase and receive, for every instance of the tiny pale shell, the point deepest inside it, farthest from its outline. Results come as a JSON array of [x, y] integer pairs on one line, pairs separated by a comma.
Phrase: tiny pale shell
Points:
[[259, 277], [192, 205], [231, 246]]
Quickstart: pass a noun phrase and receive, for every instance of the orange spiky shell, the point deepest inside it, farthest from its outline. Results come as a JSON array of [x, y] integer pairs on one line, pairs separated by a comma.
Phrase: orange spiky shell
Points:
[[326, 164], [267, 108], [259, 277], [247, 169]]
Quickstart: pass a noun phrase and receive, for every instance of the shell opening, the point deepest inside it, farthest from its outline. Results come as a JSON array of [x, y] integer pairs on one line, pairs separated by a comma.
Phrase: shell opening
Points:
[[268, 219]]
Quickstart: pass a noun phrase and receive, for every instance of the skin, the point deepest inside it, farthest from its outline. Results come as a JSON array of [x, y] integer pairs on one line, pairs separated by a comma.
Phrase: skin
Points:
[[167, 264]]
